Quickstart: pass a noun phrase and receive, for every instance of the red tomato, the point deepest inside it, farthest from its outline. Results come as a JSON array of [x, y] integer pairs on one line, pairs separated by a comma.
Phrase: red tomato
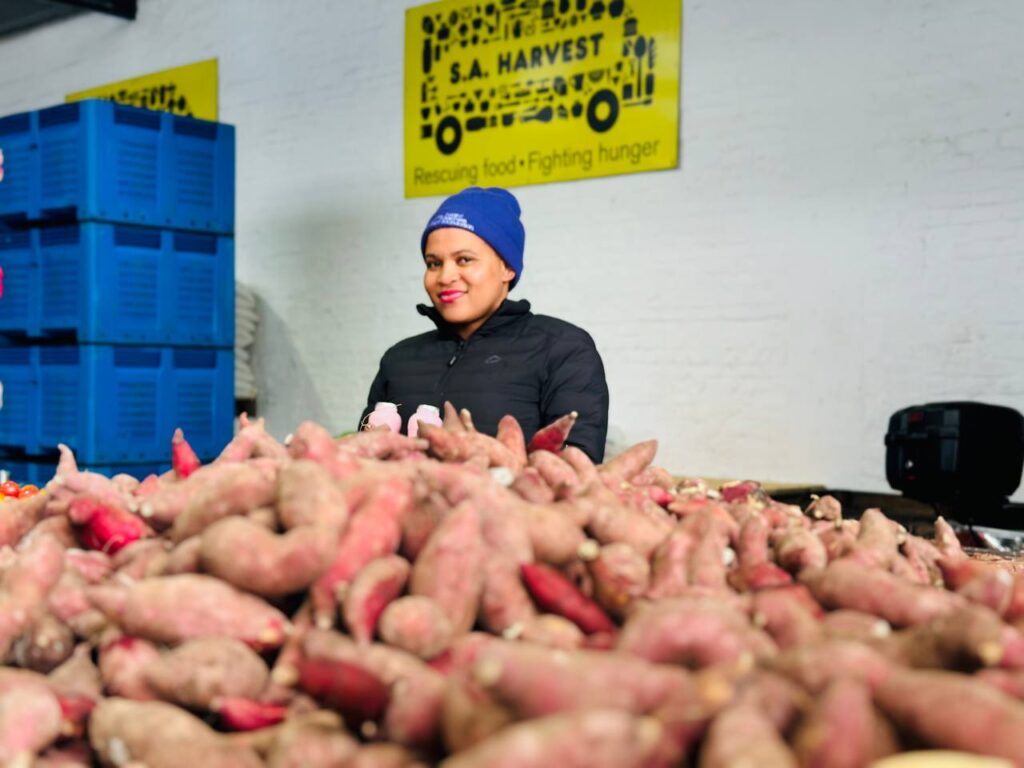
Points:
[[27, 490], [10, 488]]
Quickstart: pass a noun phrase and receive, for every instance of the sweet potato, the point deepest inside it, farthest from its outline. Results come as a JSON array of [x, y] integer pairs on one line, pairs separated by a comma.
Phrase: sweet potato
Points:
[[30, 719], [553, 536], [414, 709], [312, 745], [510, 434], [417, 625], [554, 593], [631, 461], [854, 625], [186, 557], [373, 531], [307, 494], [799, 549], [105, 528], [47, 644], [952, 711], [504, 601], [877, 543], [448, 570], [825, 508], [19, 517], [183, 458], [385, 756], [742, 733], [201, 670], [548, 630], [146, 557], [846, 584], [382, 444], [249, 557], [122, 664], [620, 574], [742, 492], [93, 567], [160, 735], [552, 437], [696, 633], [844, 730], [533, 682], [532, 487], [233, 490], [241, 714], [172, 609], [609, 522], [24, 588], [778, 698], [78, 675], [815, 666], [373, 588], [609, 738], [469, 714], [557, 473], [505, 530], [946, 539], [348, 687], [464, 446], [785, 618], [670, 572]]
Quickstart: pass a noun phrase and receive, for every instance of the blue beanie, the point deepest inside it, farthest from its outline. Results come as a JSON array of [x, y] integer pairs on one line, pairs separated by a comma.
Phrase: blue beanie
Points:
[[491, 214]]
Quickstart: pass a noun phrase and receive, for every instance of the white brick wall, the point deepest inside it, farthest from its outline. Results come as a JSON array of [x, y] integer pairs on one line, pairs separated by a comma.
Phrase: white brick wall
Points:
[[844, 236]]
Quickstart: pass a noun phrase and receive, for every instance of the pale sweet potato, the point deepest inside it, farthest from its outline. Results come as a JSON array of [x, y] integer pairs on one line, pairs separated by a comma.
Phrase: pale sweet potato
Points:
[[844, 730], [308, 494], [504, 601], [250, 557], [172, 609], [448, 570], [30, 719], [201, 670], [742, 734], [608, 738], [416, 624], [234, 490]]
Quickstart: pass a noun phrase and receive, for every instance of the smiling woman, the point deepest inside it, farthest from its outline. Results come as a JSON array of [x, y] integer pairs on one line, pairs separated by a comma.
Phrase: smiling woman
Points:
[[489, 354]]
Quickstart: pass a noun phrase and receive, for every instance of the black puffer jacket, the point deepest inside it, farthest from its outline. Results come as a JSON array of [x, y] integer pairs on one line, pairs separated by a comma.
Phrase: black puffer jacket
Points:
[[534, 367]]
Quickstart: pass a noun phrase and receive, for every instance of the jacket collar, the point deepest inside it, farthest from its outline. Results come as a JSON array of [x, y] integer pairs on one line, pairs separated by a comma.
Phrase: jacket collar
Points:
[[509, 312]]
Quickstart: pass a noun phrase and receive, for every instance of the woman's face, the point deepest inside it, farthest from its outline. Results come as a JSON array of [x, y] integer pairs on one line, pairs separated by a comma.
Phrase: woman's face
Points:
[[465, 278]]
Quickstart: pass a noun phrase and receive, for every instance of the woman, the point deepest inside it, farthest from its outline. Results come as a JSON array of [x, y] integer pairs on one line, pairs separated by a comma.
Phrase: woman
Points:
[[489, 354]]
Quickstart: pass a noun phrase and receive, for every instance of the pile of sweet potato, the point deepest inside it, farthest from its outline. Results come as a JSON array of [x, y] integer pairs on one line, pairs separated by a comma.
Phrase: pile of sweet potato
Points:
[[463, 600]]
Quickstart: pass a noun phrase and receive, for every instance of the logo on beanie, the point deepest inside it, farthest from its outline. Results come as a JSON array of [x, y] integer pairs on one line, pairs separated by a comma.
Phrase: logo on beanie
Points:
[[451, 219]]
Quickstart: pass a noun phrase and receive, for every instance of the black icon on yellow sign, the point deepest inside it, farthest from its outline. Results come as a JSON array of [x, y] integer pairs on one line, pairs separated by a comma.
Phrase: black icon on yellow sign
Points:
[[532, 38]]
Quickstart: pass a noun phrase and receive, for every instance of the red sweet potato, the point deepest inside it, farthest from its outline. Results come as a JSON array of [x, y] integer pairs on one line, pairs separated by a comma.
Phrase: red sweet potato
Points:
[[373, 531], [414, 709], [105, 528], [554, 593], [373, 588], [183, 458], [240, 714], [552, 437]]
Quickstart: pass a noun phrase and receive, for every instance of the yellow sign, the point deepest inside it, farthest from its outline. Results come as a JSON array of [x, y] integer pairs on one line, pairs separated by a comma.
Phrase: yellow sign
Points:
[[190, 90], [515, 92]]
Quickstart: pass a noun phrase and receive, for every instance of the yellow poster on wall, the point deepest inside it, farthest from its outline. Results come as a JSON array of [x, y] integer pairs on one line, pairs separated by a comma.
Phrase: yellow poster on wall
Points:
[[516, 92], [190, 90]]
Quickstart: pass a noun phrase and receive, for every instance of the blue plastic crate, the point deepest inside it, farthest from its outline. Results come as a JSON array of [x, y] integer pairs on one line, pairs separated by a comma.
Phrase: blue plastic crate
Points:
[[96, 160], [39, 472], [101, 283], [115, 404]]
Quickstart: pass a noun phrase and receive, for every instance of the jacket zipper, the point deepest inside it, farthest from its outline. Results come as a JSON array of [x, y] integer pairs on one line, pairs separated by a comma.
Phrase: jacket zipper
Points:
[[451, 363]]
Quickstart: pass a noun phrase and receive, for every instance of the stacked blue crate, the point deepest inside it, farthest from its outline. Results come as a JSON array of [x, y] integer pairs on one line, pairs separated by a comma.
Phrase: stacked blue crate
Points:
[[117, 314]]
